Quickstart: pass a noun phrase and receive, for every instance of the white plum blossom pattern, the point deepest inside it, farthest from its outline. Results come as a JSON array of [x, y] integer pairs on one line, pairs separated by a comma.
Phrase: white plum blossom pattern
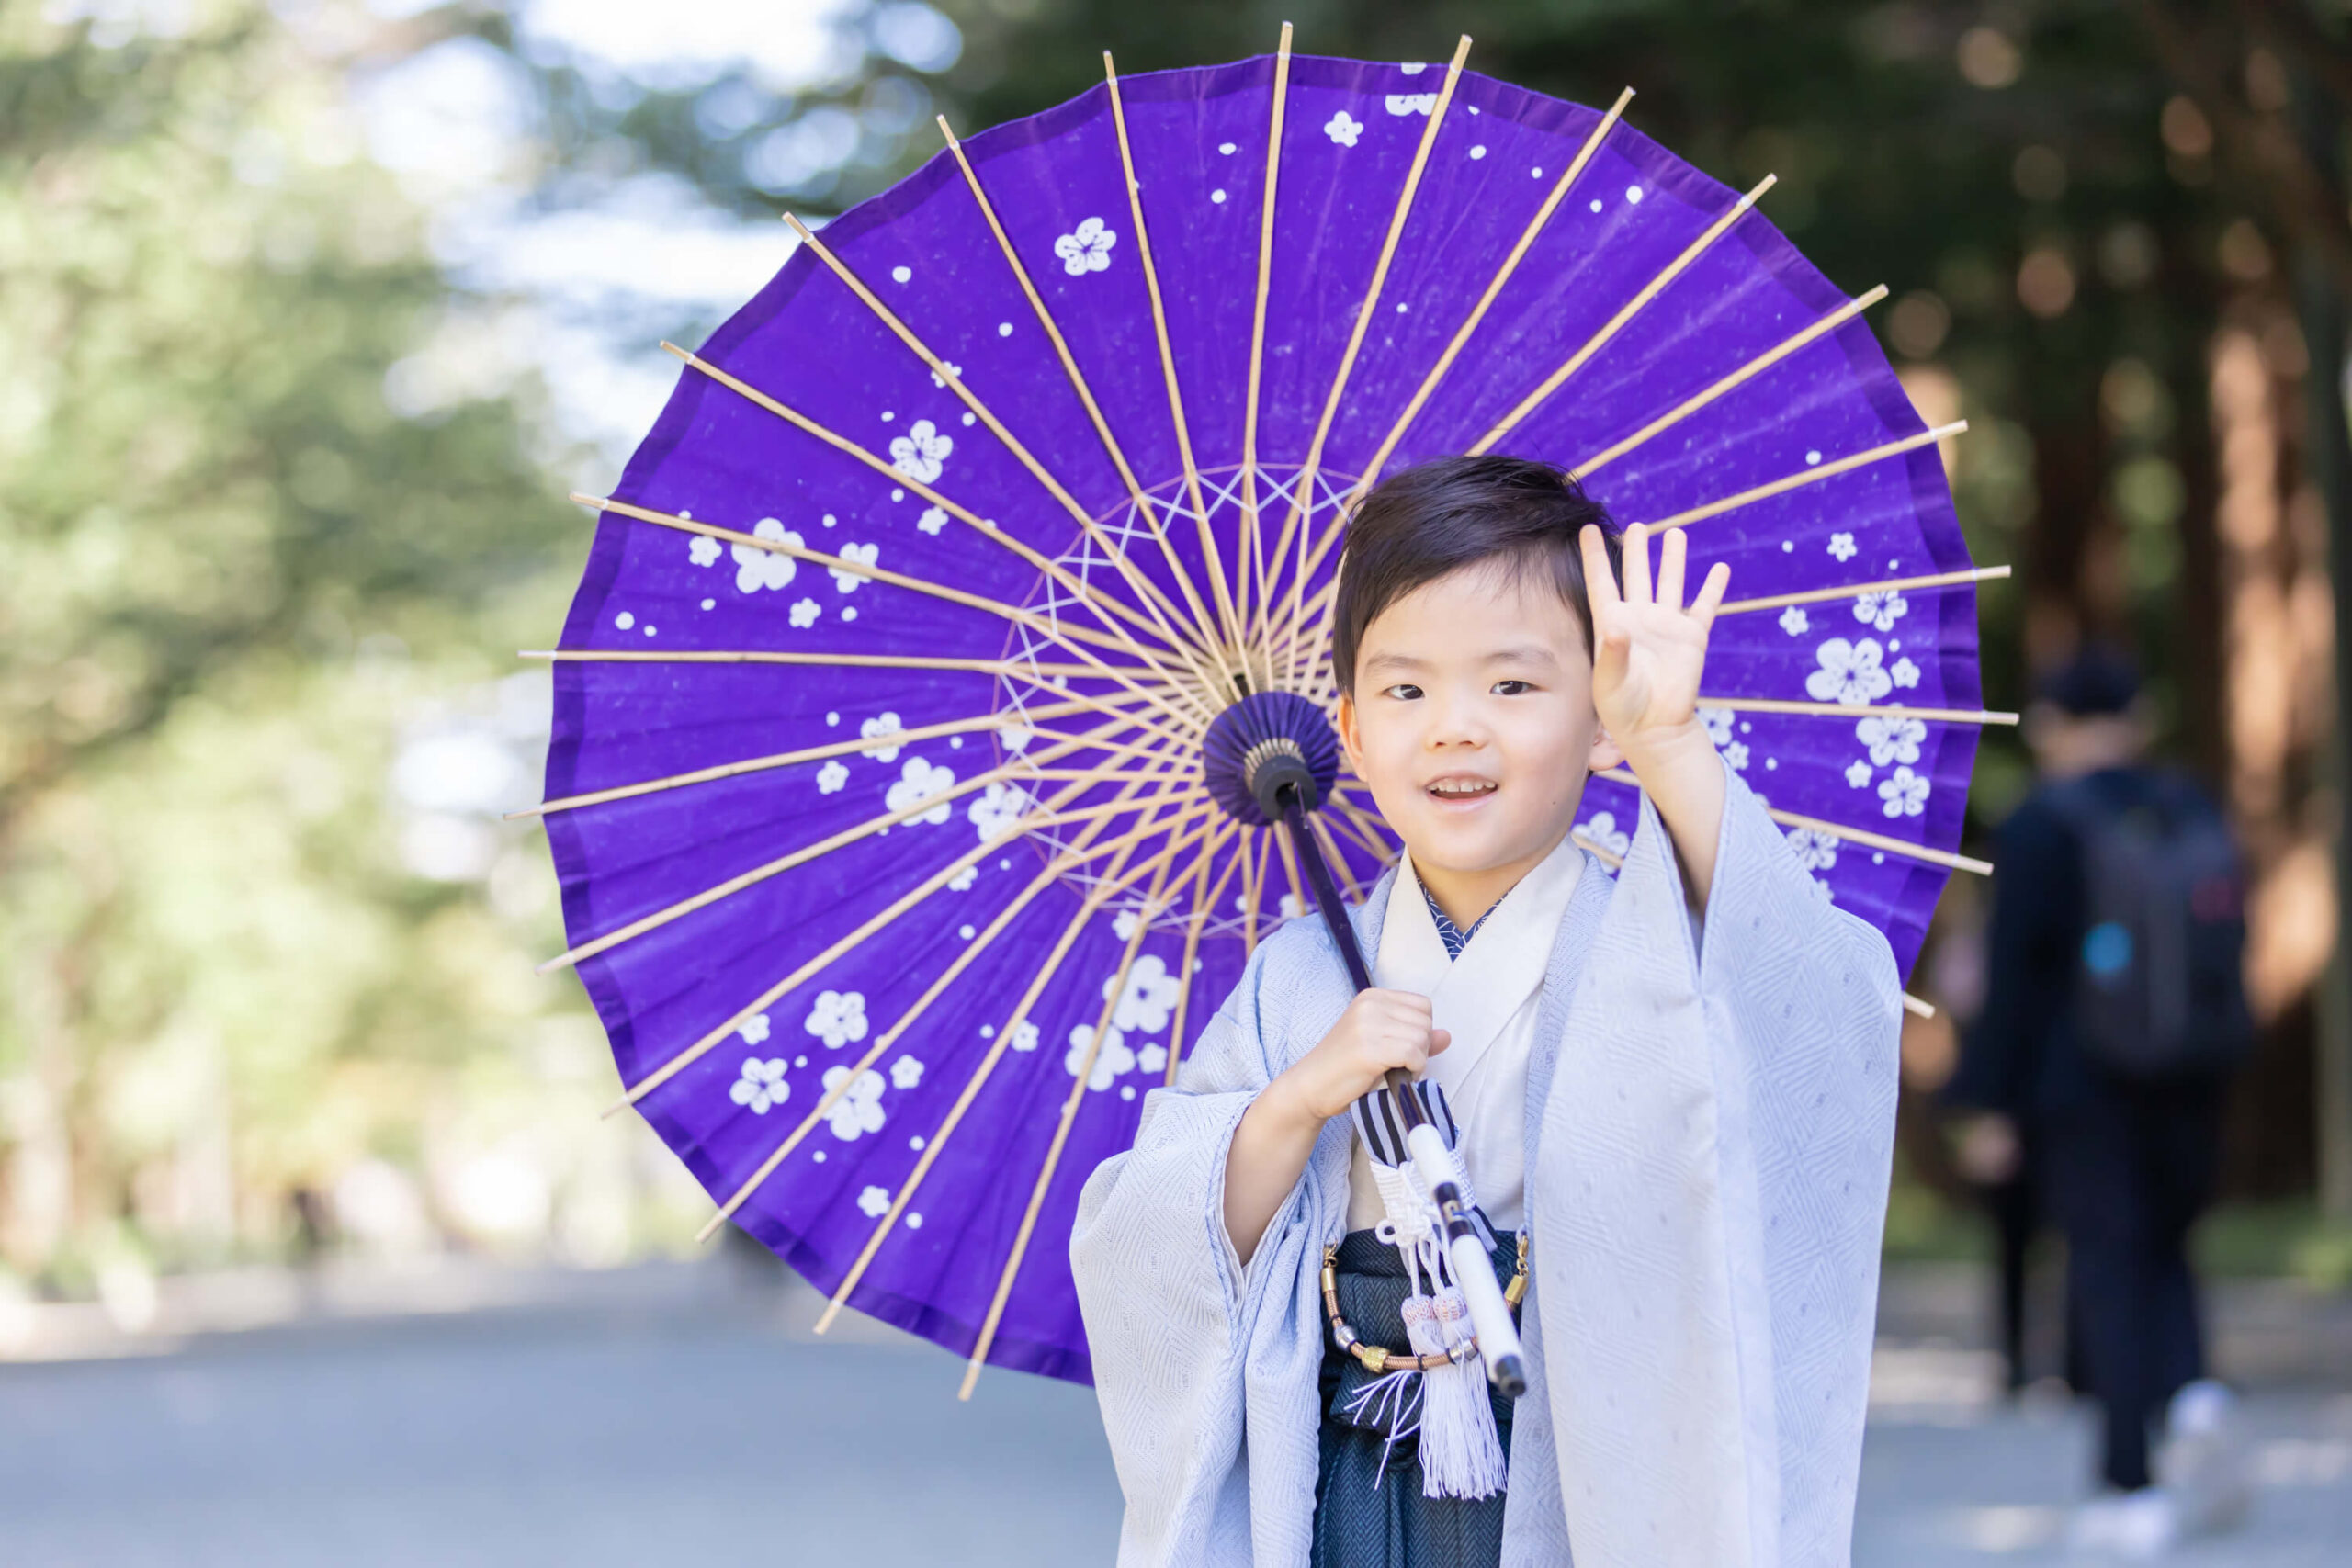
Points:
[[962, 881], [880, 725], [756, 569], [1601, 831], [760, 1086], [1858, 772], [1025, 1036], [1016, 737], [1880, 609], [804, 613], [1149, 998], [1343, 127], [918, 781], [1718, 723], [922, 452], [1816, 851], [1151, 1059], [1411, 102], [1086, 248], [754, 1029], [1891, 739], [1113, 1059], [844, 578], [1735, 756], [702, 549], [905, 1073], [838, 1018], [1906, 674], [1905, 793], [1122, 926], [998, 807], [1290, 905], [952, 368], [1842, 546], [1794, 621], [932, 520], [831, 776], [874, 1203], [1849, 672], [859, 1110]]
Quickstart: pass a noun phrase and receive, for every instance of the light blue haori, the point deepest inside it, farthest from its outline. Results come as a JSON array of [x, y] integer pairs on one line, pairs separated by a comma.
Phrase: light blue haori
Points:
[[1709, 1129]]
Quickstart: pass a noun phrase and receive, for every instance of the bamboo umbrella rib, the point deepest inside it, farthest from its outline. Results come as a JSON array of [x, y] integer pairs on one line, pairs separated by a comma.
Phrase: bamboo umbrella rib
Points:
[[1847, 710], [1348, 885], [1252, 888], [1812, 474], [1819, 595], [1001, 667], [1209, 552], [890, 1037], [1864, 836], [1754, 367], [939, 1139], [1359, 825], [1527, 238], [1258, 331], [1205, 897], [850, 943], [897, 737], [1613, 861], [1078, 1091], [1303, 487], [782, 863], [1098, 603], [1324, 597], [1290, 869], [1077, 378], [1626, 313], [1144, 587], [1052, 630]]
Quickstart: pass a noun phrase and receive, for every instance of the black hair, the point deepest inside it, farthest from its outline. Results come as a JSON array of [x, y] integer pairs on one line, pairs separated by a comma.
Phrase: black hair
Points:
[[1437, 517], [2095, 681]]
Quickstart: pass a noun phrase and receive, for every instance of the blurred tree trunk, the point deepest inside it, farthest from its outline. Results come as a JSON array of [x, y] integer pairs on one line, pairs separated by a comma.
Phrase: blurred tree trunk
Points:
[[2321, 312]]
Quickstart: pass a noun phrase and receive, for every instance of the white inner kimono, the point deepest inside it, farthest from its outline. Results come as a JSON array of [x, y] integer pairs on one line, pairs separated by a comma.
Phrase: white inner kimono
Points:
[[1709, 1131], [1487, 999]]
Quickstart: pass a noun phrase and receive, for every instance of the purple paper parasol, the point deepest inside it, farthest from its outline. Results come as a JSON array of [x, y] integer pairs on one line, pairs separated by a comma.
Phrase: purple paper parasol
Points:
[[875, 787]]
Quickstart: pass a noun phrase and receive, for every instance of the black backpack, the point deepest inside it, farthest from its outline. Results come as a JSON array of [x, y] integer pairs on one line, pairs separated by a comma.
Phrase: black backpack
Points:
[[2159, 981]]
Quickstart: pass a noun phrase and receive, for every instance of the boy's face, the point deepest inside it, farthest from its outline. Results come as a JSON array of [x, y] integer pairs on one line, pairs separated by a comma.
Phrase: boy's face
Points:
[[1473, 723]]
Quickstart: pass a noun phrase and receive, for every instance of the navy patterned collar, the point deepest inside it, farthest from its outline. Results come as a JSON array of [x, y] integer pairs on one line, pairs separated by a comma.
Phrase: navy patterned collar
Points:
[[1453, 936]]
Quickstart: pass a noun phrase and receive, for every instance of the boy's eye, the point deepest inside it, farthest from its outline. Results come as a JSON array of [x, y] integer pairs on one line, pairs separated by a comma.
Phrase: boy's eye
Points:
[[1403, 691], [1512, 688]]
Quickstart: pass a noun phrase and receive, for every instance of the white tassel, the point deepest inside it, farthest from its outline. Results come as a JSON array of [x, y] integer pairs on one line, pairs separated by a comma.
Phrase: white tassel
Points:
[[1462, 1455]]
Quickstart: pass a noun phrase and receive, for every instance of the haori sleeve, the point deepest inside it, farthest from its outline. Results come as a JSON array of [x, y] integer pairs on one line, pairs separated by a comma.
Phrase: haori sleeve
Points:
[[1167, 1304], [1710, 1193]]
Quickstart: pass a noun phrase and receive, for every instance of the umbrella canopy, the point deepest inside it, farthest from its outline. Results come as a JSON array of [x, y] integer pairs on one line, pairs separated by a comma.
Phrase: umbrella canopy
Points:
[[875, 785]]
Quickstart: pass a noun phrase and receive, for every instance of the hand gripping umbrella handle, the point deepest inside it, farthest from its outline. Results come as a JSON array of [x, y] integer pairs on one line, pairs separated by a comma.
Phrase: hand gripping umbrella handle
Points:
[[1490, 1321]]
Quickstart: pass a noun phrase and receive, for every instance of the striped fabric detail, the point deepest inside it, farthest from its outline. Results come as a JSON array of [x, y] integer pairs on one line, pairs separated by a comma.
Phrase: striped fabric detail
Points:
[[1383, 1132]]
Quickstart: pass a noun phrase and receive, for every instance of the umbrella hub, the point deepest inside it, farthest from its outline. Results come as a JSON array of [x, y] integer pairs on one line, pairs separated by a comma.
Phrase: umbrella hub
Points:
[[1264, 743]]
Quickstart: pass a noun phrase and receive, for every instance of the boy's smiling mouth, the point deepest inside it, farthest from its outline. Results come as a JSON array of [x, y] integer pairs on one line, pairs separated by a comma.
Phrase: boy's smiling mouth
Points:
[[1460, 788]]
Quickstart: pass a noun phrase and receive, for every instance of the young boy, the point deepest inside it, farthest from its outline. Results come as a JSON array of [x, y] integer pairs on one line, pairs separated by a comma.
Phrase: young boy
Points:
[[1678, 1089]]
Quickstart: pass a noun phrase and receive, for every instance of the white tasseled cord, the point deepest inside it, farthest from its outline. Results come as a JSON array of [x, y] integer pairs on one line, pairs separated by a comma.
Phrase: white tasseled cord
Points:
[[1461, 1452]]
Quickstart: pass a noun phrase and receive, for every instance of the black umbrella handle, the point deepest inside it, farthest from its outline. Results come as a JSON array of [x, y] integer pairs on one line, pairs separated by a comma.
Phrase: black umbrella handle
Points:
[[1490, 1318]]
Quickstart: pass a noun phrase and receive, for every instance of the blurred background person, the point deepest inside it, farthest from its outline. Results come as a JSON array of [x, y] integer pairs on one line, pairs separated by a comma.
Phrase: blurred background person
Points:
[[2114, 1012]]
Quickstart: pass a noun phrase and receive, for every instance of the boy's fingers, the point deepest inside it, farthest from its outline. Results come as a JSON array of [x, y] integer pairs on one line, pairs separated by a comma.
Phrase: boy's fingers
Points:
[[1711, 593], [1638, 564], [1670, 556], [1599, 587], [1439, 1040]]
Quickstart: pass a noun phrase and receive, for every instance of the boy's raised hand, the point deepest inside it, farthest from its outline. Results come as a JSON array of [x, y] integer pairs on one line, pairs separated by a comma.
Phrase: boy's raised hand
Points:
[[1647, 654], [1648, 650]]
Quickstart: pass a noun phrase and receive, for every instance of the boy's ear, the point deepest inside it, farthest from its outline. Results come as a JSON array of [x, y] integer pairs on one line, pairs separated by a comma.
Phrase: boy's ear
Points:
[[1605, 753], [1348, 737]]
